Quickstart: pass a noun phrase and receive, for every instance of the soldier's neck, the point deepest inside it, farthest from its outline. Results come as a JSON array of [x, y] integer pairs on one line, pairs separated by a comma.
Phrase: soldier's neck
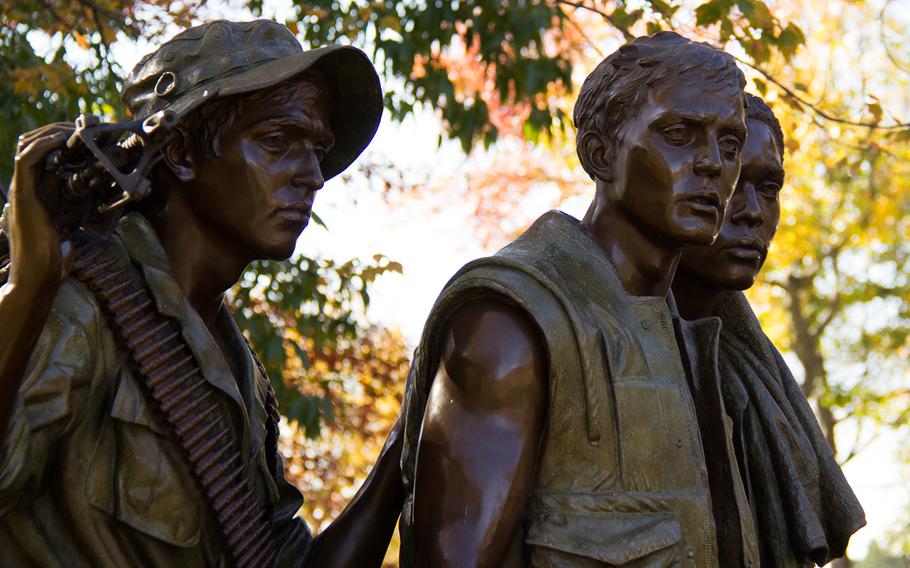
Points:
[[645, 266], [695, 297], [204, 261]]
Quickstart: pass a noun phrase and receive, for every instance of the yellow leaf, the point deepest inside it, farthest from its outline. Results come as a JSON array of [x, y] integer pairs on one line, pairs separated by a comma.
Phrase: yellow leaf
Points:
[[390, 22], [292, 25], [876, 110]]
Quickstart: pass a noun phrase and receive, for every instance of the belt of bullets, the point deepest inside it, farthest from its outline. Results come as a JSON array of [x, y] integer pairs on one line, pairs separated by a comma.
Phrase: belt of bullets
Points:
[[276, 465], [175, 384]]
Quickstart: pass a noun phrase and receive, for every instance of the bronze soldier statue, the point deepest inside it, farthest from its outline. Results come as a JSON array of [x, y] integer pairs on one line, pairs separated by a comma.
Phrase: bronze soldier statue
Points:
[[556, 408], [804, 509], [138, 427]]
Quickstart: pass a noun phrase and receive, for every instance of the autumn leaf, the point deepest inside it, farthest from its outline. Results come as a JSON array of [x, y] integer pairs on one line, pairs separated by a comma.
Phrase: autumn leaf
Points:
[[292, 25], [875, 109], [80, 39]]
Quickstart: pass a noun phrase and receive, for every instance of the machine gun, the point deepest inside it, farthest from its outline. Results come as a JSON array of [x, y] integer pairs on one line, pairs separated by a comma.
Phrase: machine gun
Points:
[[102, 168]]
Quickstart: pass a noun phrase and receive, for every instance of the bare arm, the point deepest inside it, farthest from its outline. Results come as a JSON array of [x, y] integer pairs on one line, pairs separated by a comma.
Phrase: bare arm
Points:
[[38, 257], [361, 534], [479, 444]]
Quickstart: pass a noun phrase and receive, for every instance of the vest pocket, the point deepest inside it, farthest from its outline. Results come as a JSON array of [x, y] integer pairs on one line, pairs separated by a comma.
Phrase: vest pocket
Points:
[[136, 474], [580, 540]]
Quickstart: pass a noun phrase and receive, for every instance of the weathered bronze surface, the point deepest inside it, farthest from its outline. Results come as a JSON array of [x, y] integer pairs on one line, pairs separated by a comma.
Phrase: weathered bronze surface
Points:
[[131, 381], [555, 404], [804, 509]]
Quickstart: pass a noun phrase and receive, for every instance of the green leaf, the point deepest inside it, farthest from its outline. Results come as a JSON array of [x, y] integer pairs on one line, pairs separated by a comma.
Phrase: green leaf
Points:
[[663, 8], [318, 220], [328, 410], [760, 86], [711, 12], [789, 40], [726, 30], [625, 20], [301, 352], [758, 50], [757, 13]]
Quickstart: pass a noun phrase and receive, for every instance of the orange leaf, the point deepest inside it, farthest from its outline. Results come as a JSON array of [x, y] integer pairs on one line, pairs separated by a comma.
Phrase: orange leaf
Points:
[[80, 39]]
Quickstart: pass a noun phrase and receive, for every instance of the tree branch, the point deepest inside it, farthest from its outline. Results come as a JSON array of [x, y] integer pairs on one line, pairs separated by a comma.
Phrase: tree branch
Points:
[[775, 283], [856, 448], [881, 34], [822, 113], [834, 308], [50, 8], [789, 91], [582, 33], [608, 17]]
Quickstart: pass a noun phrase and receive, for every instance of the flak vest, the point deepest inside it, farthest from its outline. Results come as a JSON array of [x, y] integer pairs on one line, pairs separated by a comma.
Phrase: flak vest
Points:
[[621, 476]]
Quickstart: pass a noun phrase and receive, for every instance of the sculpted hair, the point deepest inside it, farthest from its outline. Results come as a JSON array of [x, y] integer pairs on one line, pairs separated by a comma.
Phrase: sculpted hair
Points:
[[619, 87], [758, 109], [203, 127], [201, 130]]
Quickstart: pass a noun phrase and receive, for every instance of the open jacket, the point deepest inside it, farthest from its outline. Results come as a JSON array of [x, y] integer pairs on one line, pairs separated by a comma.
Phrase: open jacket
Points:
[[91, 475], [805, 509]]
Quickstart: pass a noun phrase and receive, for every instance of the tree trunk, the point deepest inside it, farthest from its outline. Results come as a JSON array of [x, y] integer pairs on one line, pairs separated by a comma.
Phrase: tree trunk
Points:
[[807, 346], [827, 422]]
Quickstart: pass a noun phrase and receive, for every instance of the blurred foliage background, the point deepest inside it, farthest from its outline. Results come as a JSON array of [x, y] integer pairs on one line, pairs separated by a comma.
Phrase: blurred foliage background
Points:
[[500, 77]]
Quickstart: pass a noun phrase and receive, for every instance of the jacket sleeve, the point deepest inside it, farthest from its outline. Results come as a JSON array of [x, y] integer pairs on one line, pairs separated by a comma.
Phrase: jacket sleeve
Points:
[[292, 536], [50, 396]]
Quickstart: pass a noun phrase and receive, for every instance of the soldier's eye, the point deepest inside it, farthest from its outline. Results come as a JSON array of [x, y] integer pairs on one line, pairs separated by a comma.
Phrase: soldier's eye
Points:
[[730, 146], [274, 142], [769, 190], [677, 134]]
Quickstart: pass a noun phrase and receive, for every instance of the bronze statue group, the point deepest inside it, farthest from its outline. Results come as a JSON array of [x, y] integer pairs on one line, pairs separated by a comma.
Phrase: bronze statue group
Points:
[[597, 393]]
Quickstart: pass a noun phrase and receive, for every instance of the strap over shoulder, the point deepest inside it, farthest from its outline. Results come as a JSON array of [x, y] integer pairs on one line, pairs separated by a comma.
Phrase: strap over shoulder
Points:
[[174, 384]]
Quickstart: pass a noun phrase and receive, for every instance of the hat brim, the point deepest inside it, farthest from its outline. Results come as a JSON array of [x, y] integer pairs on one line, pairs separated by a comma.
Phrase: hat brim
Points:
[[355, 97]]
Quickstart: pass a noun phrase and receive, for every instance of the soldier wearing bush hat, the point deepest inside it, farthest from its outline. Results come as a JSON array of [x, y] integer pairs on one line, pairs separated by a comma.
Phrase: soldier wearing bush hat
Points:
[[228, 59], [138, 426]]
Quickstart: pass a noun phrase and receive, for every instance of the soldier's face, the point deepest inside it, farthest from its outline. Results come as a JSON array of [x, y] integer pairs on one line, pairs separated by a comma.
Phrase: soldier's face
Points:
[[678, 162], [258, 193], [751, 219]]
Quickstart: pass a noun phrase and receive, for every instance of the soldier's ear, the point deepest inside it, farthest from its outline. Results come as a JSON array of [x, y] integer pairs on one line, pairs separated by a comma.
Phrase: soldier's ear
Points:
[[596, 155], [179, 158]]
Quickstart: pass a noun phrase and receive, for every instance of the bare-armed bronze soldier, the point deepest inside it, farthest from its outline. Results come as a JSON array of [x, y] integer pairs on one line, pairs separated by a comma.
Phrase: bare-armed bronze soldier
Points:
[[805, 511], [555, 408], [137, 427]]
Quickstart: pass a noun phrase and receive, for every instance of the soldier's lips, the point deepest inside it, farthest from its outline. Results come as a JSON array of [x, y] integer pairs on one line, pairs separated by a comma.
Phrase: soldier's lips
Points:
[[705, 201], [746, 249], [294, 215]]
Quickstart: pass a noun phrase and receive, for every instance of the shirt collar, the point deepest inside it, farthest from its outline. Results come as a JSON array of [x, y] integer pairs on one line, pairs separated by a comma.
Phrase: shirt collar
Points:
[[141, 243]]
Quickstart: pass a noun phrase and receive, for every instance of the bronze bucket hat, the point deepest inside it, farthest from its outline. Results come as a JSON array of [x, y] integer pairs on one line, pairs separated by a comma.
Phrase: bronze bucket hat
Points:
[[222, 58]]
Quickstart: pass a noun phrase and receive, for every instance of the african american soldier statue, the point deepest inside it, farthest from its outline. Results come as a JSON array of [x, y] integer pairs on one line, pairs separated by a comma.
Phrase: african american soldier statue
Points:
[[804, 509], [138, 427], [555, 410]]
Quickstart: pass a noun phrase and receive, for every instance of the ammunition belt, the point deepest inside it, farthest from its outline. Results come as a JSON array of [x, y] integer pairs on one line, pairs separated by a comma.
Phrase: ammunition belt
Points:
[[174, 382], [276, 465]]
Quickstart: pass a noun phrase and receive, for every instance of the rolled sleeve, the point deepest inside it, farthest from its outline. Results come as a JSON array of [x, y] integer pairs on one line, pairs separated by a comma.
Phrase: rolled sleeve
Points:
[[49, 400]]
